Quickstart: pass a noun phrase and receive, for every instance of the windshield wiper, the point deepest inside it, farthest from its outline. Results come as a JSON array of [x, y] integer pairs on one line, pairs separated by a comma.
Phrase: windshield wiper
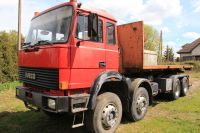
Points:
[[43, 42], [27, 44]]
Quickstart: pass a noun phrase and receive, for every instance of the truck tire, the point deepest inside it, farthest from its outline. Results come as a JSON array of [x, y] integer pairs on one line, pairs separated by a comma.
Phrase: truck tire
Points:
[[139, 105], [184, 86], [176, 90], [106, 116]]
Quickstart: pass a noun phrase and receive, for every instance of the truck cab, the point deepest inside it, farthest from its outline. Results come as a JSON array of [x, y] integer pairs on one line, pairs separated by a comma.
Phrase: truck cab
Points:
[[60, 44], [66, 50]]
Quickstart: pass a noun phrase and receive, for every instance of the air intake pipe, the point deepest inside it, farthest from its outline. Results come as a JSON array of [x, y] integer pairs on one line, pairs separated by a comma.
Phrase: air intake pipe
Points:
[[73, 0]]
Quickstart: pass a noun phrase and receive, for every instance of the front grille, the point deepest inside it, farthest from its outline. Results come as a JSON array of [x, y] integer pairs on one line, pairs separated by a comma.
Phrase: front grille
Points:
[[42, 78]]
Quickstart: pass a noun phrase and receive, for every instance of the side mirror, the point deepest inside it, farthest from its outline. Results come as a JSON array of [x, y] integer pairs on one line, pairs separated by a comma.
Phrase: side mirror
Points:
[[93, 21]]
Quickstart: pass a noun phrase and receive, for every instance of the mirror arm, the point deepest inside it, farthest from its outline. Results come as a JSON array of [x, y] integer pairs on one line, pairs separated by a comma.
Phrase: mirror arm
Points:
[[78, 43]]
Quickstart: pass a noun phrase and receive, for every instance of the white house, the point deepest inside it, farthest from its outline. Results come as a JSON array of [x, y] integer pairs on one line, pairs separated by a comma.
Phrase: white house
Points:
[[190, 51]]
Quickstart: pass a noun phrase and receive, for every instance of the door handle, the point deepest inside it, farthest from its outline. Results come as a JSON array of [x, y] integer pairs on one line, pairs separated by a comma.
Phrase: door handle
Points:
[[102, 64]]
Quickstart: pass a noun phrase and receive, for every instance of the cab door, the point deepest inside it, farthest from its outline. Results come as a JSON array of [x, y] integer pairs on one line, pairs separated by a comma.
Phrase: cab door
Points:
[[87, 55], [112, 50]]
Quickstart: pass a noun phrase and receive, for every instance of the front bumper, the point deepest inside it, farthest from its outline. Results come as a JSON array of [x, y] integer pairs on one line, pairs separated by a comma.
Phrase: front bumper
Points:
[[63, 104]]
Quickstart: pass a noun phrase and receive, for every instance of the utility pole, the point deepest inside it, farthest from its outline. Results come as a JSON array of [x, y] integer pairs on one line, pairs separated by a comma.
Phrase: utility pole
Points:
[[19, 24], [161, 45]]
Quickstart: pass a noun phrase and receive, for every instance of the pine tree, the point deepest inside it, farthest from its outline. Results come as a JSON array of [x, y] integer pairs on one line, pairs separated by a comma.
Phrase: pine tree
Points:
[[169, 54]]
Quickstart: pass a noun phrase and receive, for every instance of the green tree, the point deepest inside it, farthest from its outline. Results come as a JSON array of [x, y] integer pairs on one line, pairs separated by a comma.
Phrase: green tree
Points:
[[152, 38], [153, 41], [169, 54], [8, 56]]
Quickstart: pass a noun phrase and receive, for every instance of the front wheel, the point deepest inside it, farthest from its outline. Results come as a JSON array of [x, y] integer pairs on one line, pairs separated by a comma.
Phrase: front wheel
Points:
[[106, 116], [139, 104]]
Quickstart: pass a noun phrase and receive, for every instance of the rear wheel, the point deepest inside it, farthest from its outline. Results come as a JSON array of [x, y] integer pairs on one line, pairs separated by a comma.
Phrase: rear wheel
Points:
[[184, 86], [139, 105], [106, 116], [176, 90]]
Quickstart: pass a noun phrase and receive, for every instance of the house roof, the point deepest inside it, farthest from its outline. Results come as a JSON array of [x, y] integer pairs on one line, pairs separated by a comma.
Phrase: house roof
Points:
[[187, 48]]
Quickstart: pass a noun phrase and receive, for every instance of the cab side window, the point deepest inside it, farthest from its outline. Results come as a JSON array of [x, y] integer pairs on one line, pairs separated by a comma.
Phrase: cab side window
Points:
[[82, 29], [100, 31], [110, 33]]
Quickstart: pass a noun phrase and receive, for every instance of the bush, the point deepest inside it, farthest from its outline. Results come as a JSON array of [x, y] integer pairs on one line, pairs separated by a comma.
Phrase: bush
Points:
[[8, 56]]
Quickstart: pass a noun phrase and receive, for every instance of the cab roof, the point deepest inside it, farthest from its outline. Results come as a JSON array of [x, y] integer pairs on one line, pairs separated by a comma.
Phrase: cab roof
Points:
[[100, 12]]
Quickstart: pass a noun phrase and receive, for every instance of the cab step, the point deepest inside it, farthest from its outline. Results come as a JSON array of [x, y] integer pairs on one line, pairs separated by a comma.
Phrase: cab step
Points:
[[80, 123], [79, 102], [76, 110]]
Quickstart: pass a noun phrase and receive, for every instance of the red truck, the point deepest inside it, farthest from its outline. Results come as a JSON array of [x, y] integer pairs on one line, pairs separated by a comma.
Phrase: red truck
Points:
[[76, 60]]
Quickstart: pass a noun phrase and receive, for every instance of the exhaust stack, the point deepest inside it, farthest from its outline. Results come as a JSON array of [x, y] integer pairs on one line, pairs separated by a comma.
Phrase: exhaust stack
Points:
[[19, 24], [73, 0], [36, 14]]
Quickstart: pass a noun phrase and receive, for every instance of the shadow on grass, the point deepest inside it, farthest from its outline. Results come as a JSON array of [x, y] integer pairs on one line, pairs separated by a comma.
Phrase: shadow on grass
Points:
[[35, 122], [38, 122], [161, 98]]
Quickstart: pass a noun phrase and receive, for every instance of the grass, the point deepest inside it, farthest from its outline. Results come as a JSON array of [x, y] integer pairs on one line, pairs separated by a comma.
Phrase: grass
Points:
[[161, 125], [188, 105], [194, 75], [181, 116], [7, 86], [195, 64], [15, 118]]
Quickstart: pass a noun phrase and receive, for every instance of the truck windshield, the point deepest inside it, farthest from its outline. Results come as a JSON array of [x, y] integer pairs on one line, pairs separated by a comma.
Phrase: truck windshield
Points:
[[51, 27]]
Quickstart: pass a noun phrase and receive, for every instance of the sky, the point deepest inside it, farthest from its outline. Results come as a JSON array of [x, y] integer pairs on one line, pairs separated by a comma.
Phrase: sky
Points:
[[178, 19]]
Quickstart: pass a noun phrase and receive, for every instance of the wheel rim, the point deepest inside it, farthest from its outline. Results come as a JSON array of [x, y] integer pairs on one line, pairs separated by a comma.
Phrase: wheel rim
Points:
[[109, 116], [141, 104], [185, 87], [177, 92]]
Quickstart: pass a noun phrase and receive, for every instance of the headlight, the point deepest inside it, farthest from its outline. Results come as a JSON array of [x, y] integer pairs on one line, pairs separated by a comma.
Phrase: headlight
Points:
[[52, 104]]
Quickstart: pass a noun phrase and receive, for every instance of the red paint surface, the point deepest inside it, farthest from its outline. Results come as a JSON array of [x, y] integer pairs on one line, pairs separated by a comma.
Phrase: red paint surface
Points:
[[78, 65], [46, 57]]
